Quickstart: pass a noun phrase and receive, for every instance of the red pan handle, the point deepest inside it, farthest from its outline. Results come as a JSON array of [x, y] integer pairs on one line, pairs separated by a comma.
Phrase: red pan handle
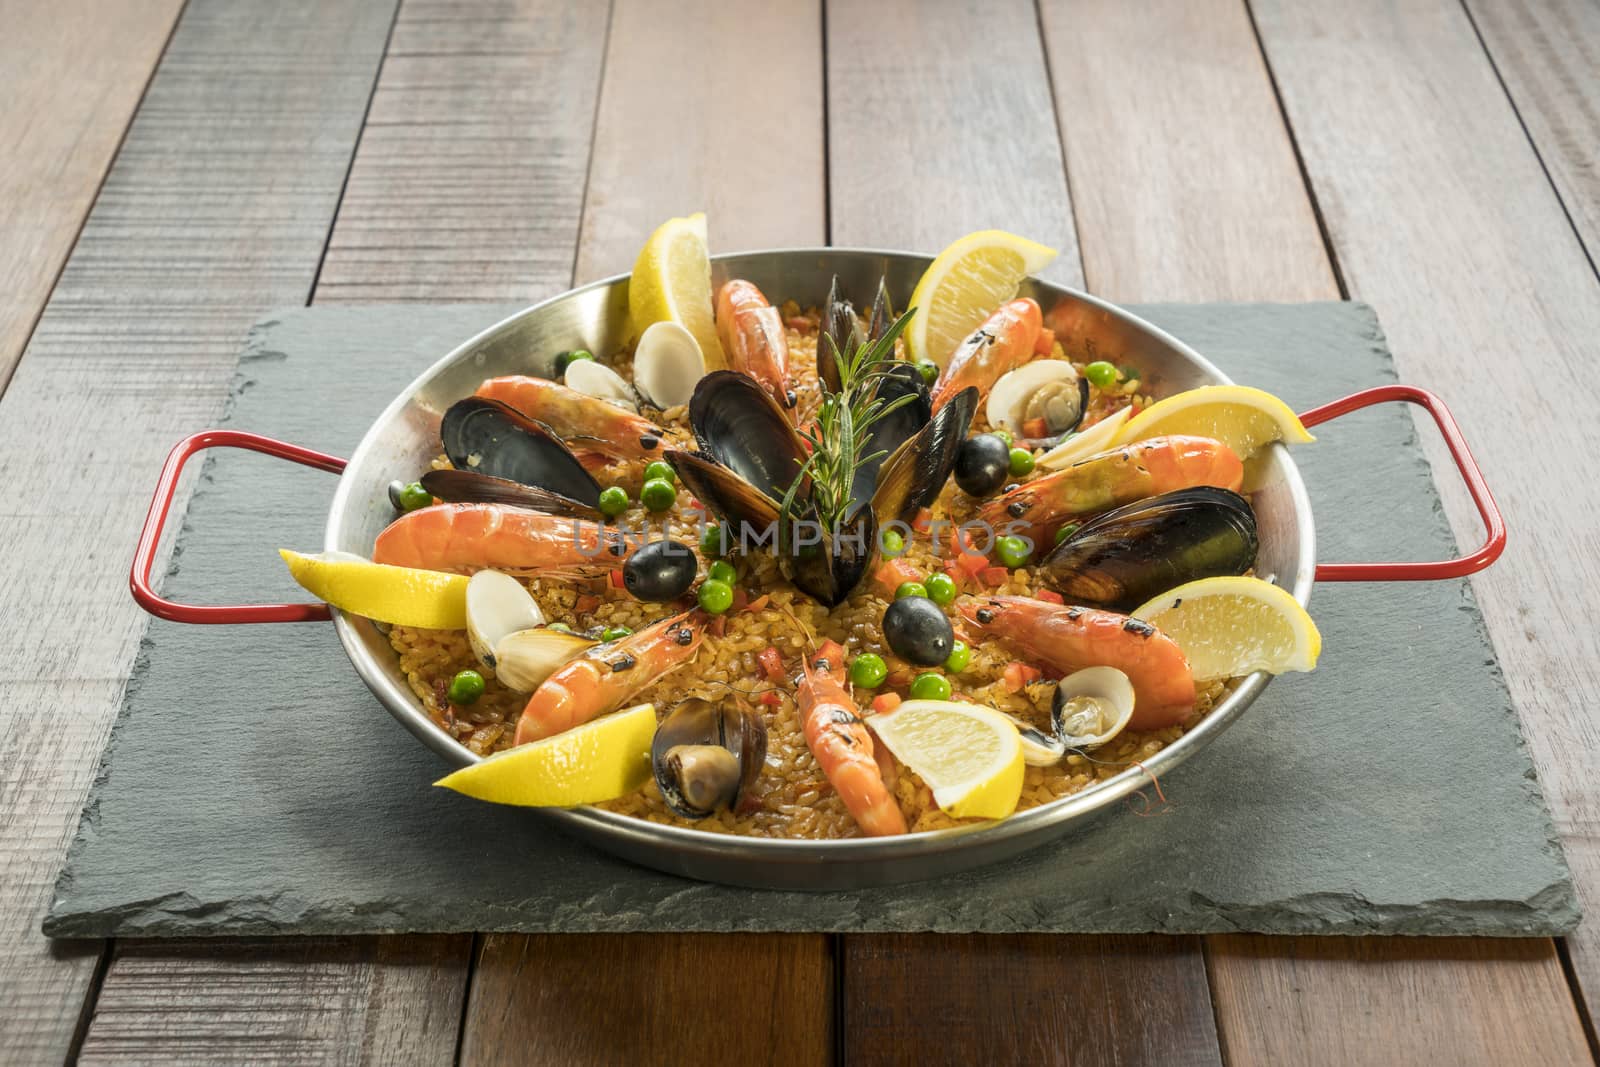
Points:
[[1494, 525], [144, 556]]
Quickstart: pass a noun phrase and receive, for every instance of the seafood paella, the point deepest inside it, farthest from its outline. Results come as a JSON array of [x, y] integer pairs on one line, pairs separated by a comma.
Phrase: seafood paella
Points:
[[825, 572]]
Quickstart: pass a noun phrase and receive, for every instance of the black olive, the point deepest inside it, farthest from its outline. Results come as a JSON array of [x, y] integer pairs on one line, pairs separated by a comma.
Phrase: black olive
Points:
[[982, 464], [660, 570], [918, 631]]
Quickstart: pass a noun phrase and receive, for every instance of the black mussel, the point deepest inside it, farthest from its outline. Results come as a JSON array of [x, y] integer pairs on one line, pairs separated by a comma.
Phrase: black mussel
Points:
[[901, 385], [1124, 557], [727, 495], [918, 630], [841, 333], [826, 564], [913, 477], [982, 464], [660, 571], [470, 487], [882, 311], [492, 438], [705, 755], [738, 424]]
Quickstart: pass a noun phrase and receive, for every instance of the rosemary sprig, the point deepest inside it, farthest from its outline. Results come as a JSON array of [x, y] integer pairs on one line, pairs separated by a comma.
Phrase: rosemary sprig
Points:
[[840, 436]]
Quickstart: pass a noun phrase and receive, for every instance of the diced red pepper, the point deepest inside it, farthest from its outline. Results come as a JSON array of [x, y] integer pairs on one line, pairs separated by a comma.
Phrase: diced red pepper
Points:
[[833, 653], [771, 661], [799, 322], [973, 564], [993, 575], [884, 703], [923, 522], [1017, 675], [740, 599], [758, 603], [771, 698], [1049, 596], [1044, 342], [585, 603], [891, 574], [616, 579], [717, 626], [1035, 428]]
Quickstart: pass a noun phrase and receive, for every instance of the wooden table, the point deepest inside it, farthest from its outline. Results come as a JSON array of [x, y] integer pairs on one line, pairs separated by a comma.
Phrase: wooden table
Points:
[[169, 170]]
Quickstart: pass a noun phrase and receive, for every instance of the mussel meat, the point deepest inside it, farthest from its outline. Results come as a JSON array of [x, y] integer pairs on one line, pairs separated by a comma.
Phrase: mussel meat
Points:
[[489, 437], [1047, 394], [707, 755], [1090, 708], [1124, 557]]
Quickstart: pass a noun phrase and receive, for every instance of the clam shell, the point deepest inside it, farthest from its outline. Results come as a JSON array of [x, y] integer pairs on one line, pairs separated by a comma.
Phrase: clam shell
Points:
[[595, 379], [1009, 398], [1092, 706], [1096, 438], [667, 365], [526, 658], [497, 605]]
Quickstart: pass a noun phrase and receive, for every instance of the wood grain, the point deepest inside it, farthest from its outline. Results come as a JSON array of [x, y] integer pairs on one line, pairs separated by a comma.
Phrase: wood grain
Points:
[[1455, 237], [1547, 53], [1184, 180], [939, 123], [289, 1000], [216, 209], [469, 179], [71, 74], [1313, 1001], [663, 998], [1026, 999], [710, 107]]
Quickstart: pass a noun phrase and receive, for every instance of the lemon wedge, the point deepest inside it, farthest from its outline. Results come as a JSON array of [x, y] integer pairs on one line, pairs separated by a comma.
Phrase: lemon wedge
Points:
[[404, 596], [600, 760], [672, 283], [1096, 438], [1242, 418], [1233, 626], [970, 755], [964, 285]]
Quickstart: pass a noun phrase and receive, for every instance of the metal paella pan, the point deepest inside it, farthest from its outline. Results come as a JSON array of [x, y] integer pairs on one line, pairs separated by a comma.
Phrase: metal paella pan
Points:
[[405, 439]]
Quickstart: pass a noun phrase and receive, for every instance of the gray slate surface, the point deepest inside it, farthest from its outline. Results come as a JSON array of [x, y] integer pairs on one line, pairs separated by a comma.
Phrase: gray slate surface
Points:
[[252, 785]]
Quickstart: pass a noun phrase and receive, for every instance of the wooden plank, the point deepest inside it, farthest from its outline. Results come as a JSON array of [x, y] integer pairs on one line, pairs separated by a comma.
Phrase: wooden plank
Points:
[[660, 998], [71, 74], [719, 121], [929, 137], [465, 186], [1312, 1001], [1026, 999], [216, 208], [939, 123], [290, 1000], [1442, 218], [1547, 53], [469, 180], [708, 107]]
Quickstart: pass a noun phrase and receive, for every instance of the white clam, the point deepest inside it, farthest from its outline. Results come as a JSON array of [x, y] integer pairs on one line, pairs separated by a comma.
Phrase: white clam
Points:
[[595, 379], [1097, 438], [667, 365], [1008, 400], [497, 605], [526, 658], [1091, 707]]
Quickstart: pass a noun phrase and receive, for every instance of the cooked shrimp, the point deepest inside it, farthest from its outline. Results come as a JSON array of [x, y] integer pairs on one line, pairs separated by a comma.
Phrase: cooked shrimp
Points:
[[842, 746], [605, 676], [1110, 479], [1067, 638], [580, 420], [751, 331], [470, 537], [1002, 343]]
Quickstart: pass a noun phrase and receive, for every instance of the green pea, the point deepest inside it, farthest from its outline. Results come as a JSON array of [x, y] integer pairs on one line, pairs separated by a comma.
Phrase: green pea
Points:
[[929, 370], [413, 496], [910, 589], [1129, 374], [1067, 531], [567, 359], [722, 571], [868, 670], [1021, 461], [716, 597], [614, 633], [941, 588], [1004, 435], [659, 469], [1013, 552], [465, 687], [930, 687], [713, 541], [613, 501], [658, 494], [960, 656], [892, 543], [560, 626], [1100, 373]]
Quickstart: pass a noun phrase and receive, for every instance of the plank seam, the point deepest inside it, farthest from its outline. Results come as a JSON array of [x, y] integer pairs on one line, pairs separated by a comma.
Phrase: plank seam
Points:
[[588, 170], [1061, 140], [466, 993], [1575, 986], [827, 141], [97, 981]]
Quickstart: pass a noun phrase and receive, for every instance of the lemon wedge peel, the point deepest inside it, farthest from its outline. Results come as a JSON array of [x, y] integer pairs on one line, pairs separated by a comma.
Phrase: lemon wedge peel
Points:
[[968, 754], [1232, 626], [1243, 418], [964, 284], [671, 282], [401, 596], [603, 759]]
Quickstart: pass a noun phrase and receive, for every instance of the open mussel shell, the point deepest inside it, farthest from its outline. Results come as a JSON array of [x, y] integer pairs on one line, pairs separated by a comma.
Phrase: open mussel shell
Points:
[[1046, 389], [593, 378], [1124, 557], [841, 333], [491, 438], [1091, 707], [826, 564], [497, 605], [524, 659], [902, 384], [667, 364], [470, 487], [738, 424], [882, 312], [705, 755], [725, 493], [912, 478]]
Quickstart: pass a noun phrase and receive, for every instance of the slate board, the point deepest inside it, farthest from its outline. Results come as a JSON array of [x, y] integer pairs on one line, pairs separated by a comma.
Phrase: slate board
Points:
[[253, 786]]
